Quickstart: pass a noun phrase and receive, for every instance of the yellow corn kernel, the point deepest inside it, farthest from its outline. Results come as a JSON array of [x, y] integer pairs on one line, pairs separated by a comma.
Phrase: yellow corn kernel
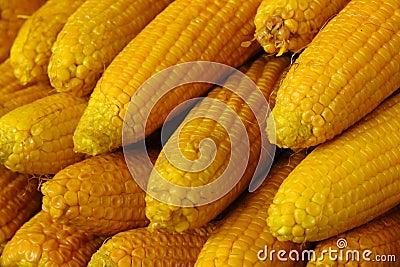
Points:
[[377, 242], [31, 50], [140, 247], [42, 242], [343, 183], [12, 15], [93, 36], [290, 25], [115, 201], [243, 233], [19, 200], [193, 30], [12, 99], [37, 138], [196, 127], [347, 70]]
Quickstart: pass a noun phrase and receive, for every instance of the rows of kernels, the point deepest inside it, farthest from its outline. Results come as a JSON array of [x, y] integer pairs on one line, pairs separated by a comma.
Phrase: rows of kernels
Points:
[[42, 242], [381, 237], [37, 138], [184, 31], [16, 98], [19, 200], [93, 36], [140, 247], [197, 128], [97, 195], [31, 50], [244, 231], [332, 84], [12, 14], [343, 183]]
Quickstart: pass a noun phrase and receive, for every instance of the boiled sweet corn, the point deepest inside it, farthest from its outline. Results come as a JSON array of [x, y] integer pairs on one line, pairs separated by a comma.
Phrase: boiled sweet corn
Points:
[[11, 99], [348, 69], [374, 244], [187, 30], [187, 212], [12, 15], [244, 231], [290, 25], [19, 200], [343, 183], [140, 247], [31, 50], [37, 138], [42, 242], [93, 36], [97, 195]]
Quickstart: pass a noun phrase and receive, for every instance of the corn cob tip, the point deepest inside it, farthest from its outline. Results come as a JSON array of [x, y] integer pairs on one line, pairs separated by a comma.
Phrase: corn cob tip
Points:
[[288, 131], [102, 258], [274, 36], [93, 136]]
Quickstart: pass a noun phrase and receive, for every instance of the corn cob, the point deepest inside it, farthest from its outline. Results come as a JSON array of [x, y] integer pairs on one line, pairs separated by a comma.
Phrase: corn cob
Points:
[[12, 16], [19, 199], [290, 25], [381, 237], [185, 31], [42, 242], [179, 216], [31, 50], [37, 138], [244, 232], [8, 81], [93, 36], [140, 247], [343, 183], [13, 99], [97, 195], [350, 67]]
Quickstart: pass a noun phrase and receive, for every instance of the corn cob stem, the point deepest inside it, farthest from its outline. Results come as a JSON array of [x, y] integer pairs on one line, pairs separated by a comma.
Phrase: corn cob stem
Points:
[[348, 69], [381, 237], [343, 183], [97, 195], [42, 242], [12, 15], [290, 25], [93, 36], [179, 211], [244, 232], [185, 31], [31, 50], [37, 138], [139, 247]]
